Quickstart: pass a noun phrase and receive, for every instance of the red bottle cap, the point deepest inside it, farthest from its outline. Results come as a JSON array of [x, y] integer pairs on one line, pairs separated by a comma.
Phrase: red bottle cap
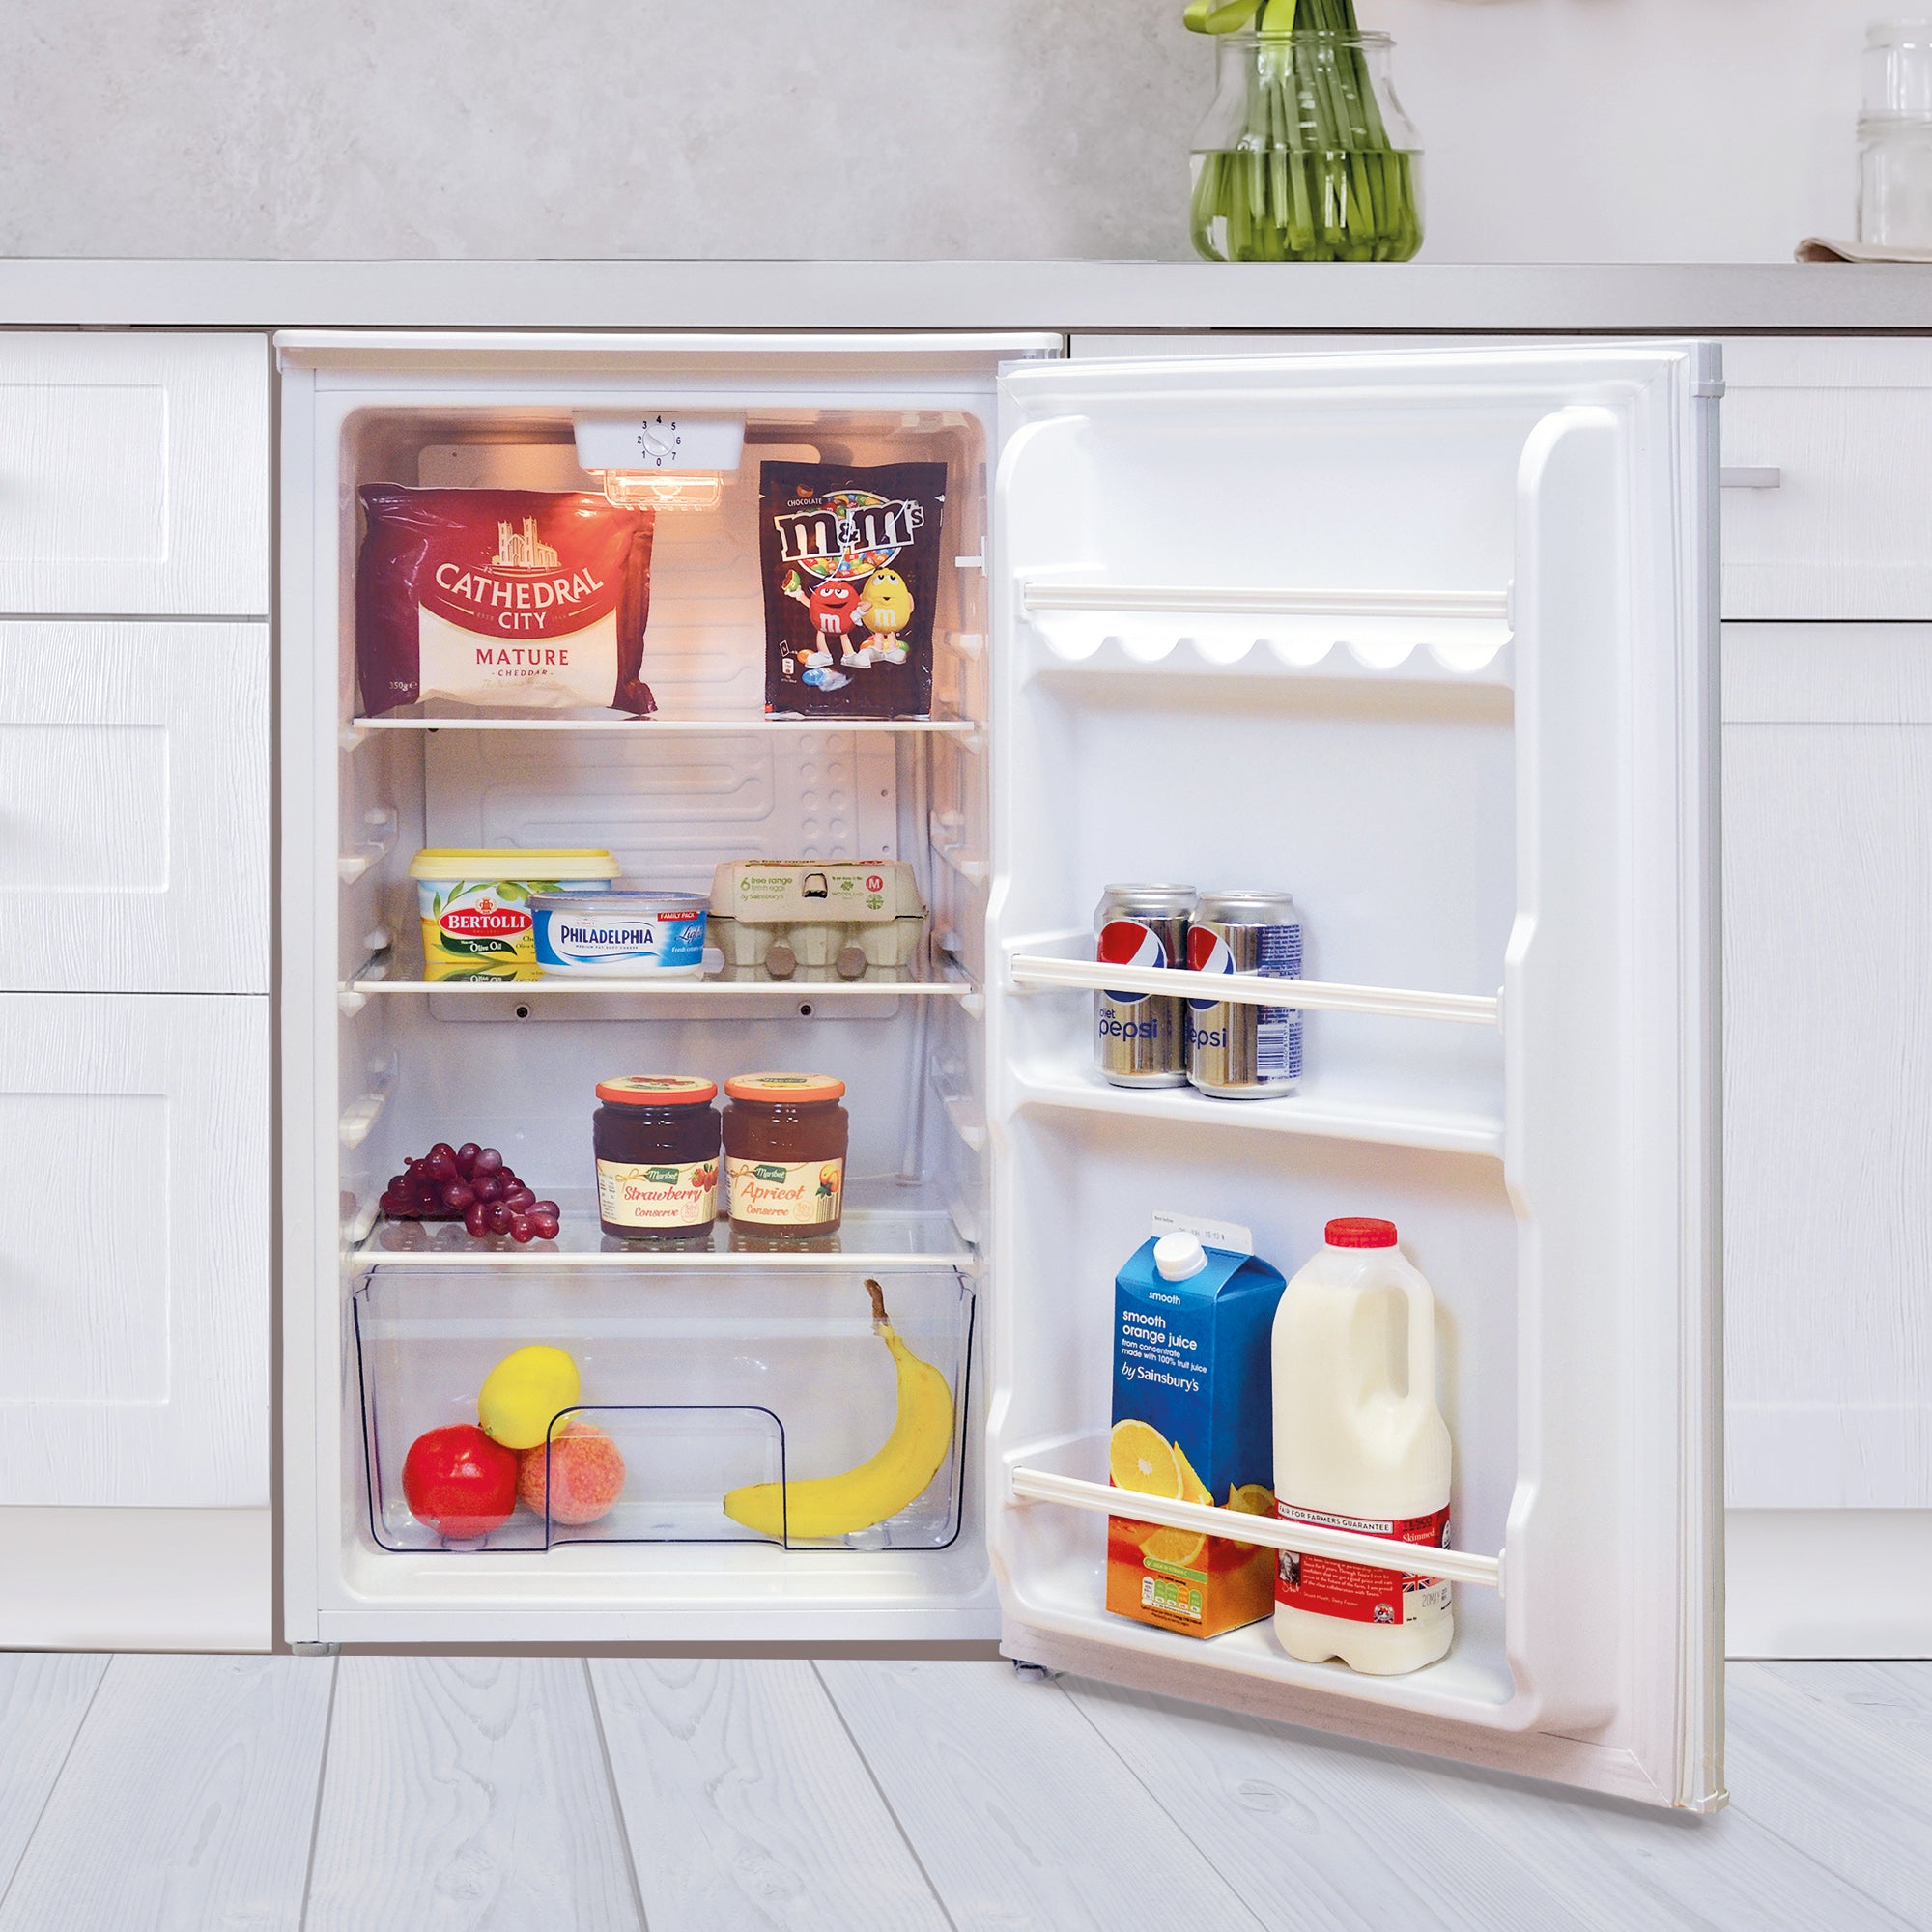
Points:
[[1358, 1231]]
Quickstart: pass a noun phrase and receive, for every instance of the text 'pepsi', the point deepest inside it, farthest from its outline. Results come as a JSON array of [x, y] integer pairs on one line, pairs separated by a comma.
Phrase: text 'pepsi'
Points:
[[1140, 1039]]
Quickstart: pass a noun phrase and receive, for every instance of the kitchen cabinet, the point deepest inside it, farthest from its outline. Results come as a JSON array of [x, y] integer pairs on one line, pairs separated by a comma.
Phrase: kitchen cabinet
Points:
[[134, 825], [134, 475], [1827, 775], [135, 1082]]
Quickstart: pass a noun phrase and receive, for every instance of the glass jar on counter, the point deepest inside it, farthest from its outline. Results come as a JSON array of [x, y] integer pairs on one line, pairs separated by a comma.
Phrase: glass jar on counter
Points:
[[785, 1140], [1895, 138], [656, 1138], [1306, 155]]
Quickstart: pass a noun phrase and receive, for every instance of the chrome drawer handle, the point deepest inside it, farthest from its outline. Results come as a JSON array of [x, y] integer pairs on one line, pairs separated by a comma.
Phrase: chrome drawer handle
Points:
[[1750, 476]]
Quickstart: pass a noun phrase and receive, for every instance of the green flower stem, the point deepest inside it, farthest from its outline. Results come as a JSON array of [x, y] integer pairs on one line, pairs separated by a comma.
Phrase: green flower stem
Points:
[[1311, 176]]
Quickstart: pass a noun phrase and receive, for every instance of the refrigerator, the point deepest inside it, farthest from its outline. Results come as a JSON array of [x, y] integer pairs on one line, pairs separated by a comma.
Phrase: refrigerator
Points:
[[1426, 638]]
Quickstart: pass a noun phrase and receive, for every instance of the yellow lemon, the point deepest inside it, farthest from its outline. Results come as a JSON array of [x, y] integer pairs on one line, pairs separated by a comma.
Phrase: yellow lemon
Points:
[[1139, 1458], [1180, 1547], [1252, 1499], [521, 1393], [1192, 1489]]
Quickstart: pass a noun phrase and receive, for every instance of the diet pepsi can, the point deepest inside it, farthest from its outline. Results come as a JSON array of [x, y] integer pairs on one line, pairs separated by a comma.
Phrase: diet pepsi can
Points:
[[1237, 1051], [1140, 1039]]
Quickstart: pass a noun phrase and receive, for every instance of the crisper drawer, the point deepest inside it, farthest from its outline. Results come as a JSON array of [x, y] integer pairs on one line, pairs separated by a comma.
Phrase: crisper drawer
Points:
[[134, 1267], [134, 475], [135, 808], [1828, 471], [759, 1407]]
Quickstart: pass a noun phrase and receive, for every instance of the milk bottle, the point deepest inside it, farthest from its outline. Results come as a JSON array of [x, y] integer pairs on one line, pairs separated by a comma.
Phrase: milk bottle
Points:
[[1360, 1445]]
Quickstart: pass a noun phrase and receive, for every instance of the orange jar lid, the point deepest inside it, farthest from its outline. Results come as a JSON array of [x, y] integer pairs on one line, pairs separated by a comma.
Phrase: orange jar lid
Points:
[[657, 1090], [778, 1089]]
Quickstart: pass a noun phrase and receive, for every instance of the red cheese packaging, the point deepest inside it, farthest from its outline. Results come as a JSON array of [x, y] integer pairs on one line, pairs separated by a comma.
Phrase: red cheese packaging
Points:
[[521, 599], [850, 558]]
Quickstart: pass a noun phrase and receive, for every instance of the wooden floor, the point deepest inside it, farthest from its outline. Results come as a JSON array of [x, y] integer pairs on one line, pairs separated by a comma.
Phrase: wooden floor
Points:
[[376, 1794]]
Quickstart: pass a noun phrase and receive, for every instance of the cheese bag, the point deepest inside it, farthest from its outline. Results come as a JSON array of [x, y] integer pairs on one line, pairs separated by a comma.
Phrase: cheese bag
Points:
[[524, 599]]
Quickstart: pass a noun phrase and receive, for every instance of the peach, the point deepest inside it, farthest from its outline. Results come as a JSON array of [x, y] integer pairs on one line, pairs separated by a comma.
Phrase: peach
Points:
[[587, 1474]]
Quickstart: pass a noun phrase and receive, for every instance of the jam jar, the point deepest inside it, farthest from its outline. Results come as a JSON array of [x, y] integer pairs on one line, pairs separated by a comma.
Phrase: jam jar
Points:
[[656, 1138], [785, 1136]]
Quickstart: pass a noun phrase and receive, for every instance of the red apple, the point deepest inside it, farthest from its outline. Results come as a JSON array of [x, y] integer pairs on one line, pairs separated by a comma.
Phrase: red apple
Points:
[[460, 1482], [586, 1474]]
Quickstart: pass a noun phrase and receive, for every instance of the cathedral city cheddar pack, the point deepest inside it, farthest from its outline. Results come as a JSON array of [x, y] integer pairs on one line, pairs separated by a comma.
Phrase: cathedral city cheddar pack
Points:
[[522, 599], [850, 559]]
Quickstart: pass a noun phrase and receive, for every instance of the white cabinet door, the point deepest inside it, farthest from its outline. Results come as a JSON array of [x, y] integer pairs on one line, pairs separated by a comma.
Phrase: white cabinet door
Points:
[[135, 1257], [1827, 1053], [134, 475], [1828, 455], [135, 808]]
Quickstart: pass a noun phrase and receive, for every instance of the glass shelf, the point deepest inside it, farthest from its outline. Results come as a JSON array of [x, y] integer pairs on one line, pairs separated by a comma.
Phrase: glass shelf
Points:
[[400, 969], [886, 1228], [757, 723]]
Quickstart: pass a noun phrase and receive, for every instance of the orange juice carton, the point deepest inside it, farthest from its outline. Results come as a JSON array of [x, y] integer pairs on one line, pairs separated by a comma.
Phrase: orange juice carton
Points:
[[1193, 1312]]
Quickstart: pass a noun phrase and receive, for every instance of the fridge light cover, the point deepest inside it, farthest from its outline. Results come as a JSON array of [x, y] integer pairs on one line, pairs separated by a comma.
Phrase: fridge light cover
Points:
[[660, 459]]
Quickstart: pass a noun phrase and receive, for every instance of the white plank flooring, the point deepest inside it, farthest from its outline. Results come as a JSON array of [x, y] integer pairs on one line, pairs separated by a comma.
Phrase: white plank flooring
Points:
[[686, 1795]]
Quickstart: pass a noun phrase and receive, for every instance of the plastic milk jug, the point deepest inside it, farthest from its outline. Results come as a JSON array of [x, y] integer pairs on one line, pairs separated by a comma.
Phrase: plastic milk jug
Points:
[[1360, 1445]]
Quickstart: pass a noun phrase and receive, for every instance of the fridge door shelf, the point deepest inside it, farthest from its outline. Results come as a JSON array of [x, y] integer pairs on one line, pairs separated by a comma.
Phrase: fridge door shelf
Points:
[[1315, 1108], [1031, 971], [885, 1229], [790, 1384], [1432, 636], [1375, 1552]]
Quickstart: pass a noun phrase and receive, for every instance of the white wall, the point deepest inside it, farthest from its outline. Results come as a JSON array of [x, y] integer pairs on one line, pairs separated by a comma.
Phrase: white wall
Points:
[[1556, 129]]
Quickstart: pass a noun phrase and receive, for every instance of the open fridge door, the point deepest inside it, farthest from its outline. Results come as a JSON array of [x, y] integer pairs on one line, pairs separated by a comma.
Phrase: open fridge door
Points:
[[1429, 640]]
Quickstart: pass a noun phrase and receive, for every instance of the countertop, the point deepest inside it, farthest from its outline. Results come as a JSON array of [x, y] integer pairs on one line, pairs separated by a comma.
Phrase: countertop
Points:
[[1065, 296]]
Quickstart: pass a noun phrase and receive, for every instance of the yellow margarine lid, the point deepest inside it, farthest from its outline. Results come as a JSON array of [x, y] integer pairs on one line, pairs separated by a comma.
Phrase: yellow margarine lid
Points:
[[511, 861]]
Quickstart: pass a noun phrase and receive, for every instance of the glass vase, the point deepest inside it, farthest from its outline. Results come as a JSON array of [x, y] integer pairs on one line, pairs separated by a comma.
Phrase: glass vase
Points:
[[1306, 155]]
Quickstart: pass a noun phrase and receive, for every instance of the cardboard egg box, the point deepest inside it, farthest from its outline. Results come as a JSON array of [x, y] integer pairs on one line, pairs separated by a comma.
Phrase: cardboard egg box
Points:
[[792, 915]]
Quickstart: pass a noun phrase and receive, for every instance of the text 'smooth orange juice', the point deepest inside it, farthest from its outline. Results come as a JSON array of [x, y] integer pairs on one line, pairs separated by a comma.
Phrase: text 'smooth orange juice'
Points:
[[1192, 1412]]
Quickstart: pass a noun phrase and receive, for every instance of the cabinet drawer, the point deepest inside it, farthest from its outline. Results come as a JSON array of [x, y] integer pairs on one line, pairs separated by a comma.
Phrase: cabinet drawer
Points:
[[135, 808], [1828, 1065], [134, 475], [134, 1295], [1846, 425]]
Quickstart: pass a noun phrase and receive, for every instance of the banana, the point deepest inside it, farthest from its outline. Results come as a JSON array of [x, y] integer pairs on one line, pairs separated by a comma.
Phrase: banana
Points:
[[908, 1460]]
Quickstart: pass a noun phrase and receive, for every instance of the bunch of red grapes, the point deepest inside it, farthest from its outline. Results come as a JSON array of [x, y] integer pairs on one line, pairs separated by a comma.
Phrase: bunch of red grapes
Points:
[[470, 1184]]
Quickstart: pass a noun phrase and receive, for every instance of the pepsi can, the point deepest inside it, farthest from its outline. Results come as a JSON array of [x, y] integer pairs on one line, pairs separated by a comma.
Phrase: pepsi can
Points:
[[1140, 1038], [1234, 1050]]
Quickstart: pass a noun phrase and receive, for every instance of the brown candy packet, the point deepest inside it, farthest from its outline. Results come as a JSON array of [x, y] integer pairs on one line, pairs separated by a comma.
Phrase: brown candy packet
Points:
[[850, 559]]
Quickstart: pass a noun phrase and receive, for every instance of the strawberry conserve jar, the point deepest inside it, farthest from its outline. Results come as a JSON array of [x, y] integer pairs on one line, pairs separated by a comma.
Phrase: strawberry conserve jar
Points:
[[656, 1137], [785, 1138]]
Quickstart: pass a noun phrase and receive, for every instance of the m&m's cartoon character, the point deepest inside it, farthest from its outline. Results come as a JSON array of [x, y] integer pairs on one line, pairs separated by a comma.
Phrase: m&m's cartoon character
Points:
[[886, 609]]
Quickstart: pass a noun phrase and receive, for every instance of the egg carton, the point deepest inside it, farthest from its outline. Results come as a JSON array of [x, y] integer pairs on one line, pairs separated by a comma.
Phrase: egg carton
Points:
[[788, 916]]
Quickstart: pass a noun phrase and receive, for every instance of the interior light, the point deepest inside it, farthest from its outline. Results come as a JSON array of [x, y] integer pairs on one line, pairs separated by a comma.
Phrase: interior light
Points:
[[662, 459]]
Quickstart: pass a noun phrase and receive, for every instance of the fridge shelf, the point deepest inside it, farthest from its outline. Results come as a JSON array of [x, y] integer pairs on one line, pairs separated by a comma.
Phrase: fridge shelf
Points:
[[754, 725], [703, 1388], [882, 1232], [1042, 1485], [1311, 1111], [400, 968], [1435, 636], [1031, 971]]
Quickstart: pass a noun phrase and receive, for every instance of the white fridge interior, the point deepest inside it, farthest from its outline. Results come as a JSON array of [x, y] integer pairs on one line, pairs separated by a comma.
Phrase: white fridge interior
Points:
[[1423, 639]]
